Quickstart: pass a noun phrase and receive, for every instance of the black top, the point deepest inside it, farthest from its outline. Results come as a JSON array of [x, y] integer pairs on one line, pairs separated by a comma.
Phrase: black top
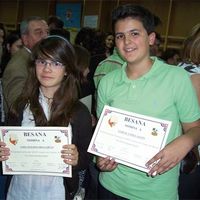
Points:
[[81, 135]]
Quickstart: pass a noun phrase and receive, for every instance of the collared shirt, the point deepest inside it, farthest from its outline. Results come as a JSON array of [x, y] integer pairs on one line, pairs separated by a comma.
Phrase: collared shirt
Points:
[[30, 187], [108, 65], [164, 92], [27, 49]]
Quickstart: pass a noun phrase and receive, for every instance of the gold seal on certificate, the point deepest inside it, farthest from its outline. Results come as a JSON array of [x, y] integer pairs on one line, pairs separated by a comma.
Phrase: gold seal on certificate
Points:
[[36, 150], [129, 138]]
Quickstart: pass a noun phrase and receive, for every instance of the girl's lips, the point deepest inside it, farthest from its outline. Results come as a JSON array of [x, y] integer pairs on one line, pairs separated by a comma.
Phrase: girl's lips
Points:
[[46, 77]]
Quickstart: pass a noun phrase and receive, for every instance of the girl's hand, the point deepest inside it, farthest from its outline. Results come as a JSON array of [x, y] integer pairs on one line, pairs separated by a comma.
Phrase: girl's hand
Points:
[[4, 152], [106, 164], [70, 154]]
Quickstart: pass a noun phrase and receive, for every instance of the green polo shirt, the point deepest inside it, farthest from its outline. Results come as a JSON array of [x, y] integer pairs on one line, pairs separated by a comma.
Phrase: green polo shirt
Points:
[[108, 65], [165, 92]]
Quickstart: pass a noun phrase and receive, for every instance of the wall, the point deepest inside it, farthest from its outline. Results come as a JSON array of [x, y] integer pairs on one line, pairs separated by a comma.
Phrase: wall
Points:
[[178, 16], [8, 13]]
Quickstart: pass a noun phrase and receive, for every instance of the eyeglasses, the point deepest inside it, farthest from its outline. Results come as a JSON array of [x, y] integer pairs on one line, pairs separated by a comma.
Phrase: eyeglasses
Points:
[[43, 63]]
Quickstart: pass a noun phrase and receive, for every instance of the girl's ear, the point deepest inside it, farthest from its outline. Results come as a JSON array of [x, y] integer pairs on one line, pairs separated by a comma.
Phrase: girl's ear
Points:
[[152, 37]]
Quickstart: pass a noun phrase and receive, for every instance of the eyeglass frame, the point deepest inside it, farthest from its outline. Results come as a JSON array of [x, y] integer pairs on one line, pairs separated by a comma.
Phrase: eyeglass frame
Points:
[[52, 63]]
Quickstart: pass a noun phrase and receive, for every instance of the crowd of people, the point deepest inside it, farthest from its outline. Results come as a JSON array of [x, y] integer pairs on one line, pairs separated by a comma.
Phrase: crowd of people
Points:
[[47, 80]]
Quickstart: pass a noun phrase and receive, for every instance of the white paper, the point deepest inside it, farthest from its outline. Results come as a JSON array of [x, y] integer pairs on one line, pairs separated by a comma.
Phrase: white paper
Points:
[[36, 150], [129, 138]]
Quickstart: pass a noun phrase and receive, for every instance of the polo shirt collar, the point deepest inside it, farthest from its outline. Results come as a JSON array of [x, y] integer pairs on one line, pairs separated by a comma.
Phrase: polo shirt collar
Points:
[[154, 71]]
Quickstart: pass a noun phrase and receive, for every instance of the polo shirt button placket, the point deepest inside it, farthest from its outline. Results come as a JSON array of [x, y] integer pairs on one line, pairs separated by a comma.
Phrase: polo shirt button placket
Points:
[[133, 86]]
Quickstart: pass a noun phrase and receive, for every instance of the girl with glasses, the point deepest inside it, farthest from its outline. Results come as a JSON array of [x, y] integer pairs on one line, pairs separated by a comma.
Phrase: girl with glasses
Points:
[[50, 98]]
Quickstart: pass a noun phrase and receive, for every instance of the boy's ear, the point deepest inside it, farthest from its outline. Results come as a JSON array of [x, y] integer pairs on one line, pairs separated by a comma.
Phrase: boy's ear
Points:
[[152, 37]]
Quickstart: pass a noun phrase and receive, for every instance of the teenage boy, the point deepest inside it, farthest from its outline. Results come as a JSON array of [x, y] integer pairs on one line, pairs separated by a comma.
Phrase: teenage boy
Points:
[[150, 87]]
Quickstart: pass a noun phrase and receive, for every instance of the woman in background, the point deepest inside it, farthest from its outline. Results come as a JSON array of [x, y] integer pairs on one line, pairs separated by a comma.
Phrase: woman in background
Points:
[[109, 43], [189, 183]]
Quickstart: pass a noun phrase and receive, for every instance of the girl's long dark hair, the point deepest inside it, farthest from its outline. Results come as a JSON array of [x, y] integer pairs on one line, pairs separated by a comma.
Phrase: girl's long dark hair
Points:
[[65, 98]]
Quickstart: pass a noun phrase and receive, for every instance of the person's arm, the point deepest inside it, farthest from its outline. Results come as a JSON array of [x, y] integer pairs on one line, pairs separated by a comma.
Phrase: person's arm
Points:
[[187, 107], [175, 151], [195, 78]]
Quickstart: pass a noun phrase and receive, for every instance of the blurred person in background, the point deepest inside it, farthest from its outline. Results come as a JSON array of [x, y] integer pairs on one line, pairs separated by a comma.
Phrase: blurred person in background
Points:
[[171, 56], [189, 182], [2, 38], [54, 21], [109, 43], [32, 30], [56, 27], [12, 44]]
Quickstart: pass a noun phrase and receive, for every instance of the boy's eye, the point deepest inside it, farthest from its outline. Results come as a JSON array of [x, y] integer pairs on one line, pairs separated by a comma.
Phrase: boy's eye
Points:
[[119, 36], [134, 33]]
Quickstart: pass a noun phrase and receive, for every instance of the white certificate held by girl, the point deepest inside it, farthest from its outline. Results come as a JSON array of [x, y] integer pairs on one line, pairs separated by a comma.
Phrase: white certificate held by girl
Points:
[[36, 150]]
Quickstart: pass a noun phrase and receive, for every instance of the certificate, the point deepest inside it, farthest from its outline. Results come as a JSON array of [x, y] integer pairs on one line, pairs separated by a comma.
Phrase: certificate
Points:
[[36, 150], [129, 138]]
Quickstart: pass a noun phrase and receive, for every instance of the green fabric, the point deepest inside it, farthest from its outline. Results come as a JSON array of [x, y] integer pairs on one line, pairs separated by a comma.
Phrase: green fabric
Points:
[[109, 64], [165, 92]]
